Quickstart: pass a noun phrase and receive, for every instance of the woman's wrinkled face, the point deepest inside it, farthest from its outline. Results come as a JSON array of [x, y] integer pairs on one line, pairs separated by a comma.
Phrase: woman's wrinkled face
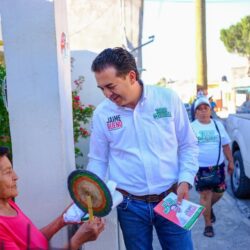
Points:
[[203, 113], [8, 179]]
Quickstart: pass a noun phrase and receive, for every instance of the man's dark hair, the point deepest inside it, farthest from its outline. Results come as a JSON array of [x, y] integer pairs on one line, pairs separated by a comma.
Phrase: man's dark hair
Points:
[[119, 58], [4, 151]]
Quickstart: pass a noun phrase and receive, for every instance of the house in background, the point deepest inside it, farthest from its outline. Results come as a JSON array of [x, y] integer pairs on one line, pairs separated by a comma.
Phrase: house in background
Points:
[[241, 85], [94, 26], [229, 95]]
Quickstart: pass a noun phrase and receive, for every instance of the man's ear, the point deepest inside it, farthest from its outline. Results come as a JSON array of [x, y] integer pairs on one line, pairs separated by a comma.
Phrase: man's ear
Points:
[[132, 76]]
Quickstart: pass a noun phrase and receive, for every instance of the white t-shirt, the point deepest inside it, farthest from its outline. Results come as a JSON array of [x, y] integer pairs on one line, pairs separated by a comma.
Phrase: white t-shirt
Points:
[[208, 141]]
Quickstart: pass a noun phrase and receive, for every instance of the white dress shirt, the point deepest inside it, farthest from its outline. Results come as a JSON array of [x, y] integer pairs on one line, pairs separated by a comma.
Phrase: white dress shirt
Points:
[[147, 149]]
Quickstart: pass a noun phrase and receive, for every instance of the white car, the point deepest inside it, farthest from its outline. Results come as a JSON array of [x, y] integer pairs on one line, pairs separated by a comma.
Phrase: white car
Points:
[[238, 127], [244, 108]]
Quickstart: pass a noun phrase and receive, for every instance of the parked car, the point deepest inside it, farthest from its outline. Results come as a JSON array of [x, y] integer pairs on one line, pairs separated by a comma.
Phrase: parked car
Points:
[[237, 126], [244, 108]]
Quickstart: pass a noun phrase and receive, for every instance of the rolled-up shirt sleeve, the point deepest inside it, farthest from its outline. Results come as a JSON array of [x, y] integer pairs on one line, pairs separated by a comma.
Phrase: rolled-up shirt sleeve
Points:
[[98, 149], [188, 150]]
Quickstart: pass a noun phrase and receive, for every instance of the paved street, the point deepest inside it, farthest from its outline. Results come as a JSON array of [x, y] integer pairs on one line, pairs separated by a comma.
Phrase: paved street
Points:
[[232, 227]]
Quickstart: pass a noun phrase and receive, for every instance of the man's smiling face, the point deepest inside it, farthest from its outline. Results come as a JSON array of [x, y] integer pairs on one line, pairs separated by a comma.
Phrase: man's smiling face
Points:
[[118, 89]]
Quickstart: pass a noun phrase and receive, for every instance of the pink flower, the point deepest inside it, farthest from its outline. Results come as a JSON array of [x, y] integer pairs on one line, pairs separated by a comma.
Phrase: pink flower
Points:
[[84, 132]]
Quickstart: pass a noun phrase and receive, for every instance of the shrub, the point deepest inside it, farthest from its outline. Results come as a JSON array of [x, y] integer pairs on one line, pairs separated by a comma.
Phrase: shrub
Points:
[[5, 139], [81, 115]]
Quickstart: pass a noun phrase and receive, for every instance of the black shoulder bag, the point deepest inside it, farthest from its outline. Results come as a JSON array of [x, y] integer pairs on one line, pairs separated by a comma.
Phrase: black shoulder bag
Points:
[[211, 179]]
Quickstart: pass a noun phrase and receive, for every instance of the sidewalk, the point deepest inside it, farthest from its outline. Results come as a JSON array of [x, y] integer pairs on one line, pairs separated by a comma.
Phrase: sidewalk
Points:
[[232, 228]]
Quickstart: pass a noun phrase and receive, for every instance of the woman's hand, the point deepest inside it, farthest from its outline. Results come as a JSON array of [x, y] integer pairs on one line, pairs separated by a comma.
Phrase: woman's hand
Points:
[[230, 168], [88, 231], [228, 153]]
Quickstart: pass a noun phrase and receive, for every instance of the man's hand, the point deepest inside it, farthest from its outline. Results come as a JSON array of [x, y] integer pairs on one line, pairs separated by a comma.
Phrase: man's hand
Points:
[[88, 231], [230, 168], [182, 192]]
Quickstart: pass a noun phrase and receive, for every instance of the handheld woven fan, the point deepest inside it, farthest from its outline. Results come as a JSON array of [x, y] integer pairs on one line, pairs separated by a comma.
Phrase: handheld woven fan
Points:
[[82, 184]]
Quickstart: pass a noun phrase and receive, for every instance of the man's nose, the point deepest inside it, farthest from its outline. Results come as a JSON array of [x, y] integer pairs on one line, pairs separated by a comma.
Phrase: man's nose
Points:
[[107, 93]]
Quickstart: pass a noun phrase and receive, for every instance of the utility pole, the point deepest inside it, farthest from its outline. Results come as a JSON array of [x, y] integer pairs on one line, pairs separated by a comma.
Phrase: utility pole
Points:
[[139, 55], [201, 50]]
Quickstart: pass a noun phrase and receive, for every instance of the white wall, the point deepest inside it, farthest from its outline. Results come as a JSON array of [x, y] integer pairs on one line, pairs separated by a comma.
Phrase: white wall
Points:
[[90, 94], [96, 25], [39, 94]]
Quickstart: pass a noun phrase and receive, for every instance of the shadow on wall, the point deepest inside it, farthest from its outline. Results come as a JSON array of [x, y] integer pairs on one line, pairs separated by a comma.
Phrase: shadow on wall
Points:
[[89, 94]]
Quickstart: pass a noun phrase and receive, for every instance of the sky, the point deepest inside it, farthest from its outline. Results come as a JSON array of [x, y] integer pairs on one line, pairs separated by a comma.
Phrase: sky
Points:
[[172, 53]]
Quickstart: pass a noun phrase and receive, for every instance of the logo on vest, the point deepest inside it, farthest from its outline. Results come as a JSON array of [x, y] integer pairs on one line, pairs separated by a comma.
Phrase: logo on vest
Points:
[[161, 112], [114, 122]]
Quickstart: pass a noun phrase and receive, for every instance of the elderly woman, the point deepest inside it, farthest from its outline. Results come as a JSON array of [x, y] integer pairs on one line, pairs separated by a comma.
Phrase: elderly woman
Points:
[[213, 141], [17, 232]]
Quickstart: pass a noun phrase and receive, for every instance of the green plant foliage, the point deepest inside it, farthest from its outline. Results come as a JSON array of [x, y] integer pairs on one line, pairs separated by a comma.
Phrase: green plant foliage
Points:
[[237, 38], [5, 139], [81, 114]]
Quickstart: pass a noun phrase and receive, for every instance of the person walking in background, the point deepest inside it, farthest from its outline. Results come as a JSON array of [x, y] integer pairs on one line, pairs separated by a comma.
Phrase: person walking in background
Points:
[[142, 138], [201, 92], [213, 141], [213, 106], [17, 232], [212, 103]]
